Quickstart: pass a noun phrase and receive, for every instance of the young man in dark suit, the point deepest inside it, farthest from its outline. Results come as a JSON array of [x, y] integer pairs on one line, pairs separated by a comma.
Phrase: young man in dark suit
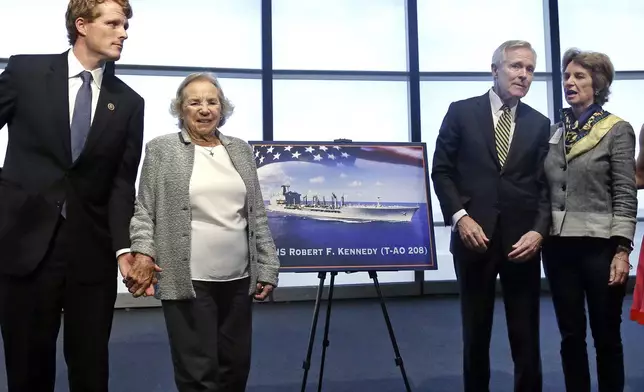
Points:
[[489, 178], [67, 191]]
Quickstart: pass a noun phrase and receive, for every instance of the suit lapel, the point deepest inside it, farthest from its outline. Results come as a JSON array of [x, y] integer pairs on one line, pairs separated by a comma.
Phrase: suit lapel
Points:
[[106, 108], [521, 136], [58, 91], [487, 127]]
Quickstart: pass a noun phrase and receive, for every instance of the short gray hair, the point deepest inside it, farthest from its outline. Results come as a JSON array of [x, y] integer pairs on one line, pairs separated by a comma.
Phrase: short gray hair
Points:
[[500, 53], [227, 107]]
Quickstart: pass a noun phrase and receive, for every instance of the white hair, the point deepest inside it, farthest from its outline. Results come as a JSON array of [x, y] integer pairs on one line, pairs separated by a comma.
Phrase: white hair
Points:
[[227, 107], [500, 53]]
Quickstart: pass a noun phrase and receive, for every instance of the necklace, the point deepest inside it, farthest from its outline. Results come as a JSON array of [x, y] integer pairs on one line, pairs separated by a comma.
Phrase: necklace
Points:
[[210, 150]]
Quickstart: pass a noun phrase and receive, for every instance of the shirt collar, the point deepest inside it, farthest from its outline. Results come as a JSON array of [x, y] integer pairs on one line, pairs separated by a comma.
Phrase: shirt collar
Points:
[[497, 103], [75, 68]]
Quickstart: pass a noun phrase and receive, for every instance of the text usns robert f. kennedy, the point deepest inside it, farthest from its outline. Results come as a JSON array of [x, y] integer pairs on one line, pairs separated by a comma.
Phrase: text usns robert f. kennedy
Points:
[[327, 251]]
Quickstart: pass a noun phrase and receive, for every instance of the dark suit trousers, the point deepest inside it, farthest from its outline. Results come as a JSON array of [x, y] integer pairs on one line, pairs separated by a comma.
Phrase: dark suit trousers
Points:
[[476, 274], [578, 270], [30, 315], [210, 337]]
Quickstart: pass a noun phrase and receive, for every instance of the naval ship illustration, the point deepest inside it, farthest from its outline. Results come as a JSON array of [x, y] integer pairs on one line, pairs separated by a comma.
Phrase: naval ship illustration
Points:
[[293, 204]]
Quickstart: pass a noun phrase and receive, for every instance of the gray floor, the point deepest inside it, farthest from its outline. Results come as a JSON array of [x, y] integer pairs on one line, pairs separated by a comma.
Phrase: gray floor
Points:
[[360, 356]]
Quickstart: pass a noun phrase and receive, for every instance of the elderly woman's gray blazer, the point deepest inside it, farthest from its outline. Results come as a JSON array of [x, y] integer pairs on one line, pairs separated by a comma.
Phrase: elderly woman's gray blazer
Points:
[[161, 225], [592, 188]]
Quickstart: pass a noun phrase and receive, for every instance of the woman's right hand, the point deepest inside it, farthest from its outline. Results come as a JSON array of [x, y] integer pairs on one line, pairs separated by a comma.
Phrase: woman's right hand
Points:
[[141, 277]]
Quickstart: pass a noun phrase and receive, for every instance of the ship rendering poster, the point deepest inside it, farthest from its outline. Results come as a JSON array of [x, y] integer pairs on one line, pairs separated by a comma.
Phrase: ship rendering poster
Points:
[[347, 206]]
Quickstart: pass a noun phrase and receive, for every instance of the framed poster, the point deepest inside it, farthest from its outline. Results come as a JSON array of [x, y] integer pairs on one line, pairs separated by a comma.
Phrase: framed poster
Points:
[[345, 206]]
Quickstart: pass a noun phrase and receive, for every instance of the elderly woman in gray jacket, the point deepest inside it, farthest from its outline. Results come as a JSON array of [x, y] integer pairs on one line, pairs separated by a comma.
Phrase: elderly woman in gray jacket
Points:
[[590, 167], [200, 217]]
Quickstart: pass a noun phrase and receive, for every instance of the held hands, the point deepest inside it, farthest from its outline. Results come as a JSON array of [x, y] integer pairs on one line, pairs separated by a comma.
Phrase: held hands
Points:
[[527, 246], [263, 290], [619, 268], [139, 273], [472, 235]]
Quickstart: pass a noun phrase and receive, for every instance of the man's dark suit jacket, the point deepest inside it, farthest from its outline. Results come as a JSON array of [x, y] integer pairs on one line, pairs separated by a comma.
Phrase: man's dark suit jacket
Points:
[[467, 173], [38, 173]]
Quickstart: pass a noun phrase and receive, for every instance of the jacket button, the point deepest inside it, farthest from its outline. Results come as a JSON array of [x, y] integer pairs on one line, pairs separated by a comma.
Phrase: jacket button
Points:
[[251, 209], [185, 208], [252, 233]]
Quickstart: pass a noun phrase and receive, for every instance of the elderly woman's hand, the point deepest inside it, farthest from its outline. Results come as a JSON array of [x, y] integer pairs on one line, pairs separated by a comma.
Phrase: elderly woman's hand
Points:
[[141, 278], [263, 290], [619, 269]]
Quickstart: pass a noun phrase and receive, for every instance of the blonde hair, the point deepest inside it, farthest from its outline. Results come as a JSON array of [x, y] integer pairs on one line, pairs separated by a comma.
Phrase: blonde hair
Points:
[[499, 54], [598, 65], [227, 107], [86, 9]]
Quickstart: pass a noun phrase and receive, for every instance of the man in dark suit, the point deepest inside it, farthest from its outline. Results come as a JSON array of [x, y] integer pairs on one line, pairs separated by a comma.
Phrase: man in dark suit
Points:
[[488, 176], [67, 191]]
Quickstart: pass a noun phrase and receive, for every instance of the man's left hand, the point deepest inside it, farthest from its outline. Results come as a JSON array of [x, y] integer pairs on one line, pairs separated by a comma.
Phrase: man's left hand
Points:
[[527, 246], [125, 262], [263, 290]]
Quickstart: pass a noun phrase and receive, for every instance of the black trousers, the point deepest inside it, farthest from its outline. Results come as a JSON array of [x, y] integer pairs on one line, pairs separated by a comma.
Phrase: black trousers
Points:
[[30, 316], [578, 270], [210, 337], [476, 274]]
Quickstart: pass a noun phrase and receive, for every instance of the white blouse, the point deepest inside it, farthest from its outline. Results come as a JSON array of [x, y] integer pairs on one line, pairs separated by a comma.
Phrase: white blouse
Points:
[[218, 197]]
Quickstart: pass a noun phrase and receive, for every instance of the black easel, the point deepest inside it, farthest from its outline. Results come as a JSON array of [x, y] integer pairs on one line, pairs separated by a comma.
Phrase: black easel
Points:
[[325, 343]]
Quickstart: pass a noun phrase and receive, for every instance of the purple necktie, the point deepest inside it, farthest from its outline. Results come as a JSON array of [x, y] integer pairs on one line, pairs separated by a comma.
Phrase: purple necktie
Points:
[[81, 119]]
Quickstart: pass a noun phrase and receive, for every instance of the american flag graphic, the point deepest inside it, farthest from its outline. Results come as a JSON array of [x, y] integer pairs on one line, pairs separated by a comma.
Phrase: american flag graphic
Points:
[[337, 155]]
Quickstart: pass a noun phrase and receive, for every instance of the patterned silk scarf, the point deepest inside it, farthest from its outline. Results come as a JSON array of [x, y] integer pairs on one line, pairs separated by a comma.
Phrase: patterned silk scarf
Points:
[[577, 129]]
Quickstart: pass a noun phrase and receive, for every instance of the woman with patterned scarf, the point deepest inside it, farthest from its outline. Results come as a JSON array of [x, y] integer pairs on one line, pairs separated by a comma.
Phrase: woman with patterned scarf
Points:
[[590, 168]]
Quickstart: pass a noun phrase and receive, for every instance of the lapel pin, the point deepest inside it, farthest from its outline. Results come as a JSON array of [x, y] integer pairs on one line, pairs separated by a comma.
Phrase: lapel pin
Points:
[[110, 106]]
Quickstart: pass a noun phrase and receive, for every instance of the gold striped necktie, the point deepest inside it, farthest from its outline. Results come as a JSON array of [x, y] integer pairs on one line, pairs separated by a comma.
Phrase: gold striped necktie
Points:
[[502, 134]]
